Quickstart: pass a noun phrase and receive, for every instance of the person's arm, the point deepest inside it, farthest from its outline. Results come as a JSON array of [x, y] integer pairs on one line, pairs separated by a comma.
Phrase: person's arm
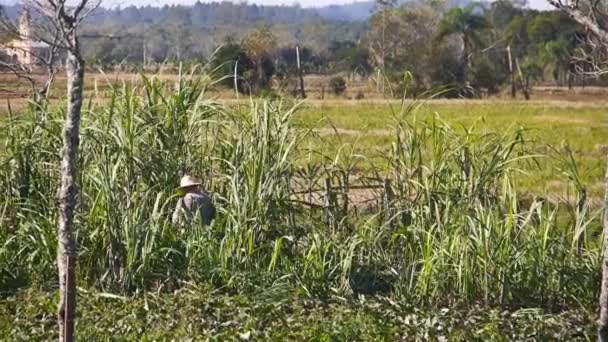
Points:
[[177, 214]]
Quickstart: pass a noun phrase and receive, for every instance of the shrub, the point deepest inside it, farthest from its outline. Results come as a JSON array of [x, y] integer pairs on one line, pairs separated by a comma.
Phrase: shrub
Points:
[[486, 76], [337, 85]]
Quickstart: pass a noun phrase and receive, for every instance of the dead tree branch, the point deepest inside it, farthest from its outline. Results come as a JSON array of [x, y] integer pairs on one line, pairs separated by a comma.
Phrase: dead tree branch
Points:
[[594, 19]]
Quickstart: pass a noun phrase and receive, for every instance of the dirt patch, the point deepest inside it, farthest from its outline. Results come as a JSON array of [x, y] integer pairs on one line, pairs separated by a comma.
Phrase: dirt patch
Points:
[[562, 119], [360, 199], [601, 148], [352, 132]]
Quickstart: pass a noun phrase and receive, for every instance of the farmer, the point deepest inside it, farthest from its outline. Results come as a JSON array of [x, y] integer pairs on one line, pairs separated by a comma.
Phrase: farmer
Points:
[[194, 202]]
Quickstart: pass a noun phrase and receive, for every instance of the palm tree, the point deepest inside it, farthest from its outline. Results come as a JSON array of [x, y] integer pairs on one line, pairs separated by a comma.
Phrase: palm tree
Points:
[[466, 23]]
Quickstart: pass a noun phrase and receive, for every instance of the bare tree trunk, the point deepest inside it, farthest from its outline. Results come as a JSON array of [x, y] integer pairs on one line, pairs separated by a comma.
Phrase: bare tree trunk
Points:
[[512, 72], [583, 80], [602, 323], [524, 90], [144, 54], [302, 91], [465, 59], [260, 83], [66, 249]]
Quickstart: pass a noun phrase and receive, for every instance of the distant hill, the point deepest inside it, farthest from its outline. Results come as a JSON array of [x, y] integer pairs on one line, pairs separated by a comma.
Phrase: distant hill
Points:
[[362, 10], [356, 11], [349, 12], [208, 24], [214, 12]]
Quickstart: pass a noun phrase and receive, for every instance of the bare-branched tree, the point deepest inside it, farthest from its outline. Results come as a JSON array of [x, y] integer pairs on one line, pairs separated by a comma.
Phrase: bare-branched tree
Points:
[[58, 28], [593, 59]]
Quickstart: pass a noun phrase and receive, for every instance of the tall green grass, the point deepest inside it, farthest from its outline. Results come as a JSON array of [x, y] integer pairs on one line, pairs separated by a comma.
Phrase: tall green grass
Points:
[[455, 228]]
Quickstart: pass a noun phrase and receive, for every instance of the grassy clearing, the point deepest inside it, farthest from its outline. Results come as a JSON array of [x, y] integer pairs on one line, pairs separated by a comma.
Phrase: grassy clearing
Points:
[[368, 128], [456, 226]]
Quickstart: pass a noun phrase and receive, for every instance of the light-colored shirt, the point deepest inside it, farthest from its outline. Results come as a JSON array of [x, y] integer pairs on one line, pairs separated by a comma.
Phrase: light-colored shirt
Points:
[[193, 204]]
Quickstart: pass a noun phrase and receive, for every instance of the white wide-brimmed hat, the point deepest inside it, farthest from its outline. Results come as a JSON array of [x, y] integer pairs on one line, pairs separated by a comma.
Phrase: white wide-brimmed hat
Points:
[[188, 181]]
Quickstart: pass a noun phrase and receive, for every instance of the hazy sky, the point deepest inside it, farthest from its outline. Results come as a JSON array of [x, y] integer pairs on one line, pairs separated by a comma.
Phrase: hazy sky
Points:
[[539, 4]]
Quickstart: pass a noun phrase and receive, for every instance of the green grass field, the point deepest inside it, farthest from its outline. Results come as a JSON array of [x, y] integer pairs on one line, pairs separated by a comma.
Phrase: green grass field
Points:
[[367, 128]]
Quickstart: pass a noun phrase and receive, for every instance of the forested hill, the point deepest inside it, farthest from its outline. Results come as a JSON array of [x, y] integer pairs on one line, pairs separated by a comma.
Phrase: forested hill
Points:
[[363, 10], [201, 14], [349, 12], [212, 13], [194, 32], [207, 14]]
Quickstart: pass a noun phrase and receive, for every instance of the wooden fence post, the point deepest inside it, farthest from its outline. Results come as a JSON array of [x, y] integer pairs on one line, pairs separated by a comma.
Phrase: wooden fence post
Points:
[[388, 202], [521, 79], [310, 198], [330, 203], [345, 190], [300, 76], [512, 72]]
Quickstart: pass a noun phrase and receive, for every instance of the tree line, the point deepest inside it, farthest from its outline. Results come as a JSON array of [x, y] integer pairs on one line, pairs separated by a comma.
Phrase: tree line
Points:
[[466, 51], [470, 50], [473, 50]]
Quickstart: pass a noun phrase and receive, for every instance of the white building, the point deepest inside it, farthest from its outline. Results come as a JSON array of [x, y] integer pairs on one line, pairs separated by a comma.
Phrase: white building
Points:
[[25, 50]]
